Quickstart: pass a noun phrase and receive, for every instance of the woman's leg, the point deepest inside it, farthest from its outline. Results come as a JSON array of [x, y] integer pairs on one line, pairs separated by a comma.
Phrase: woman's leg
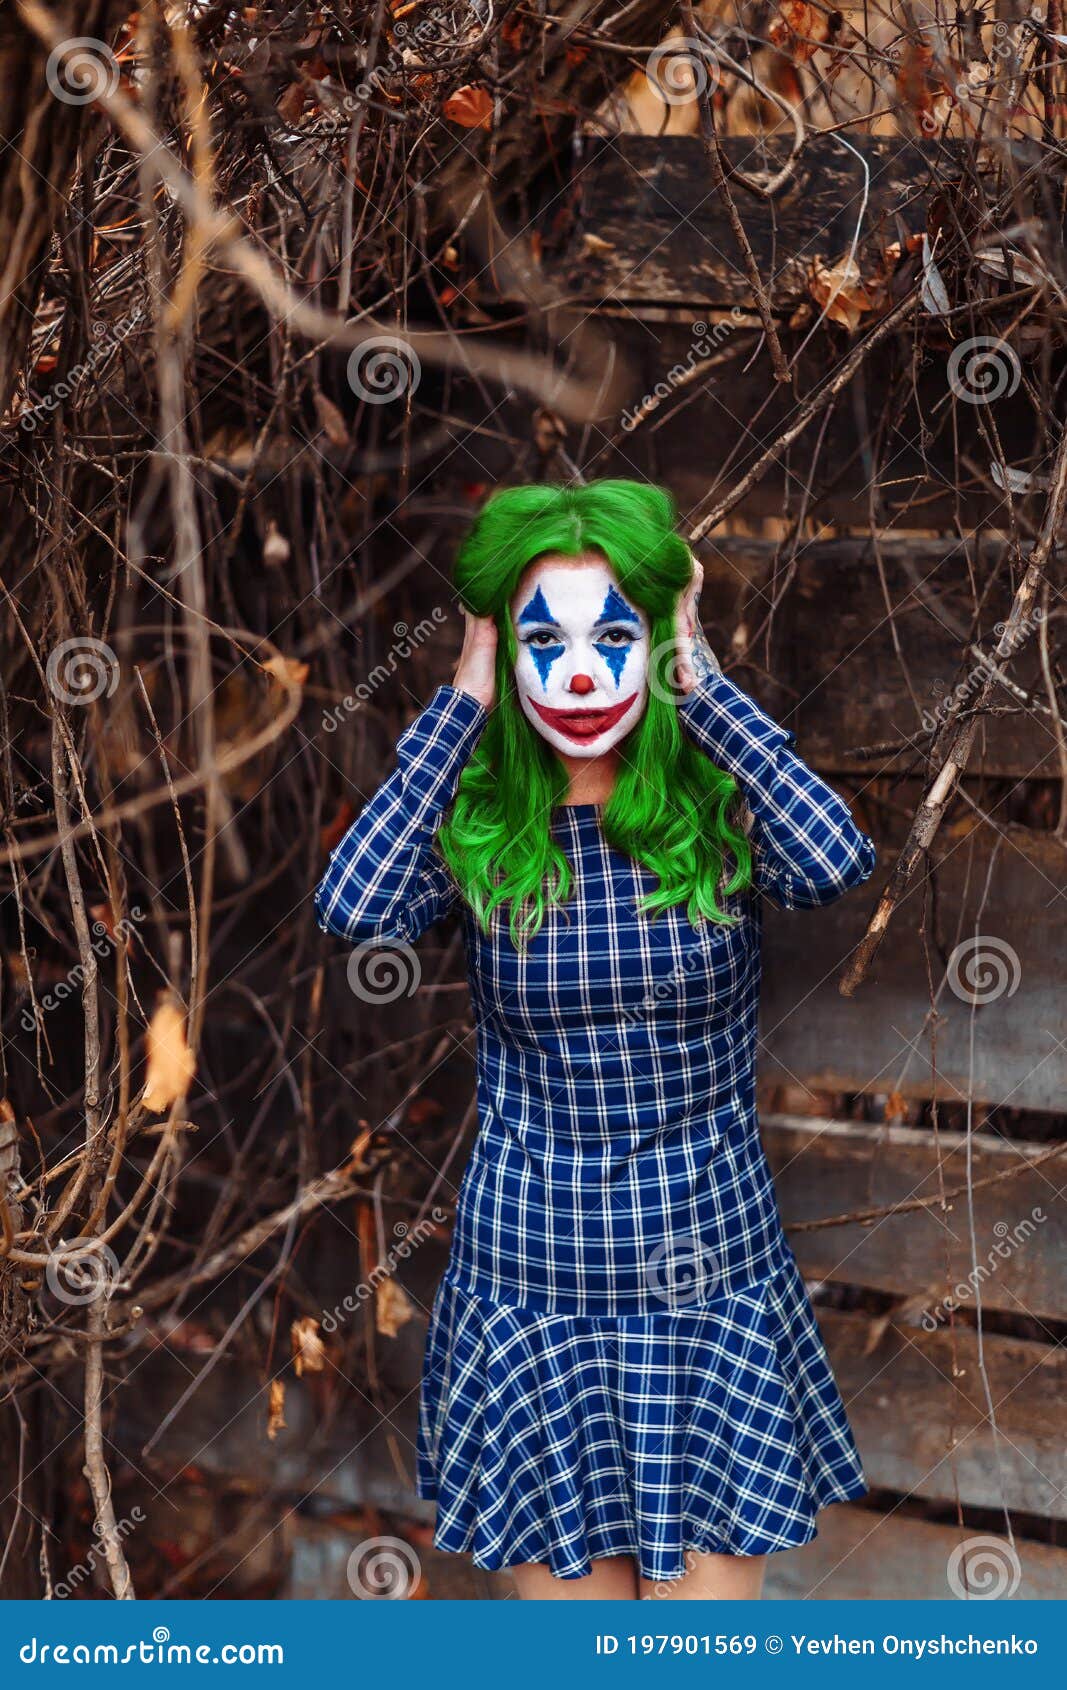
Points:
[[611, 1580], [721, 1578]]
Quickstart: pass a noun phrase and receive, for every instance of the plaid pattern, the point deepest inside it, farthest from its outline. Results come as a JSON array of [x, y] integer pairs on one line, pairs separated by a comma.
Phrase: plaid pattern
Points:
[[618, 1174], [562, 1439]]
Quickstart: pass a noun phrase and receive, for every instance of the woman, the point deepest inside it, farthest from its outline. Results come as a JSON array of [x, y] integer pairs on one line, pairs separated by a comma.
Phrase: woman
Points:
[[625, 1391]]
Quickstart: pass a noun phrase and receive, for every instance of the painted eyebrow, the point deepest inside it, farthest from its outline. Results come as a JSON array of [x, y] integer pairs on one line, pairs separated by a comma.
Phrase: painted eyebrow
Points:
[[537, 611], [616, 609]]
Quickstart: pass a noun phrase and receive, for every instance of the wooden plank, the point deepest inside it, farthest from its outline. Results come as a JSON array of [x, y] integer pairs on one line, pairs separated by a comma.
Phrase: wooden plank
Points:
[[840, 681], [881, 1040], [666, 239], [918, 1406], [889, 1557], [829, 1168]]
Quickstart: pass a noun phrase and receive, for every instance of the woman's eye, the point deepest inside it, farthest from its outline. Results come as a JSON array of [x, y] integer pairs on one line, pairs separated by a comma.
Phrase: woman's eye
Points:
[[616, 637], [542, 639]]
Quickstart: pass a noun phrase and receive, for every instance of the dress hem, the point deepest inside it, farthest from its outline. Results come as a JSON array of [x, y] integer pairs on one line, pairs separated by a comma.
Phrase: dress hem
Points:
[[496, 1561]]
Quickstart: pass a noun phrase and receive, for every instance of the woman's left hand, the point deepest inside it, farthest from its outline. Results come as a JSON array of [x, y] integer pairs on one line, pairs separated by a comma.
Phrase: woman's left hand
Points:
[[696, 660]]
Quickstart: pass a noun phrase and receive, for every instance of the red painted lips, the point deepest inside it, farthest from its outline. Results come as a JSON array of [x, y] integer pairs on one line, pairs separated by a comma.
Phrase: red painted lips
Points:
[[583, 725]]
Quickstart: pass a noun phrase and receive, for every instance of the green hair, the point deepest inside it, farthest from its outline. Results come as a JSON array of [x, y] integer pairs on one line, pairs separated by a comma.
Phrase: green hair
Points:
[[671, 810]]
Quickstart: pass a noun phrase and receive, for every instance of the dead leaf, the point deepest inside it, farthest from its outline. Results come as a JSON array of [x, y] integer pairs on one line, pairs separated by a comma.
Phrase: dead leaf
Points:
[[841, 292], [289, 670], [331, 421], [171, 1064], [548, 430], [935, 300], [276, 548], [594, 247], [1011, 266], [471, 107], [309, 1351], [276, 1409], [798, 30], [896, 1108], [392, 1307]]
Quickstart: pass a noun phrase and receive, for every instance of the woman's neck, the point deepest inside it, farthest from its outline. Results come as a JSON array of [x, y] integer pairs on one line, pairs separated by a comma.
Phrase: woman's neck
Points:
[[590, 780]]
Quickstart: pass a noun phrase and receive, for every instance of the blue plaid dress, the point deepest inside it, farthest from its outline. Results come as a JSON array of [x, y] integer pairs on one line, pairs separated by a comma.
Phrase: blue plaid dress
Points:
[[622, 1359]]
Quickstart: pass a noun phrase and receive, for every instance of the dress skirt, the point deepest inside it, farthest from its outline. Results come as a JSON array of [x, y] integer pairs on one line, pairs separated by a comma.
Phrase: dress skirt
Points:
[[564, 1439]]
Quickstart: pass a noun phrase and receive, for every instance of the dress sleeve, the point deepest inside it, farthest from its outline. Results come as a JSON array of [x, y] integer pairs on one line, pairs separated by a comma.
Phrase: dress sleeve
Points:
[[807, 850], [384, 884]]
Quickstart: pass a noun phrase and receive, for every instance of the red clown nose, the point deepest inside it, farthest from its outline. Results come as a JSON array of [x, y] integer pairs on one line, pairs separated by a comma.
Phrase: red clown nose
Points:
[[582, 684]]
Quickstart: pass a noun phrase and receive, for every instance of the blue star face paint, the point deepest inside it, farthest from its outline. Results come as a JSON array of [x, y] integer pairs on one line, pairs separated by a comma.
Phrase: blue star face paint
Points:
[[582, 664], [619, 627], [541, 635]]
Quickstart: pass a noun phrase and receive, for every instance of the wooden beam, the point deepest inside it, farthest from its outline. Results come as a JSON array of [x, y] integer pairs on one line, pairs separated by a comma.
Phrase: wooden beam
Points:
[[1018, 1056], [841, 682], [650, 230], [918, 1406], [889, 1557], [824, 1169]]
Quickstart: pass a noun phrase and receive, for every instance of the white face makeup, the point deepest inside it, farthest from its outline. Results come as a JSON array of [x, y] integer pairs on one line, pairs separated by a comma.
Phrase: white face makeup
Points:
[[582, 667]]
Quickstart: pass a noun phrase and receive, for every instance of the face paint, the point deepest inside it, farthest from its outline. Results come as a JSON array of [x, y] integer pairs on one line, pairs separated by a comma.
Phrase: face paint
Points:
[[582, 663]]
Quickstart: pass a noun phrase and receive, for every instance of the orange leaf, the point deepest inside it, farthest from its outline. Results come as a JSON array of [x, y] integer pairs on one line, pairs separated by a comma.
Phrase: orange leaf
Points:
[[392, 1308], [276, 1409], [798, 30], [289, 670], [842, 293], [309, 1351], [171, 1064], [471, 107]]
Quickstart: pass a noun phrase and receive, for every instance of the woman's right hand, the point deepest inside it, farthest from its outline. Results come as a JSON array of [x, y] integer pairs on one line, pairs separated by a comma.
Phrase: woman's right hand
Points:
[[476, 670]]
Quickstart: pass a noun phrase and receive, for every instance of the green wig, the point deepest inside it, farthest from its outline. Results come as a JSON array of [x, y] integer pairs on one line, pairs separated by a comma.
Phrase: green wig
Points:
[[671, 809]]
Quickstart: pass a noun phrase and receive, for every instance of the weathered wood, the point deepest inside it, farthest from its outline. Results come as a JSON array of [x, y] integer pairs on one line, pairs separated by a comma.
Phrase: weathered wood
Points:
[[918, 1406], [884, 1044], [839, 680], [829, 1168], [889, 1557], [667, 240]]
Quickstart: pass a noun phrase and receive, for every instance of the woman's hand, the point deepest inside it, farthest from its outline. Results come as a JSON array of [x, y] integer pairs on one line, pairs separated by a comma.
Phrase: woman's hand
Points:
[[696, 660], [476, 670]]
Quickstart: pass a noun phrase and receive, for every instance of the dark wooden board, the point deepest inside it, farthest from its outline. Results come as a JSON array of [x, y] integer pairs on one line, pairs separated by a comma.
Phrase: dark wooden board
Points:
[[667, 239], [828, 1168], [879, 1041], [840, 680], [917, 1405], [890, 1557]]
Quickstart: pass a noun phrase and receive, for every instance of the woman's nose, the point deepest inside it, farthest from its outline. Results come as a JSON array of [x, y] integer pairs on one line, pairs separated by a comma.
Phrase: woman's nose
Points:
[[582, 684]]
